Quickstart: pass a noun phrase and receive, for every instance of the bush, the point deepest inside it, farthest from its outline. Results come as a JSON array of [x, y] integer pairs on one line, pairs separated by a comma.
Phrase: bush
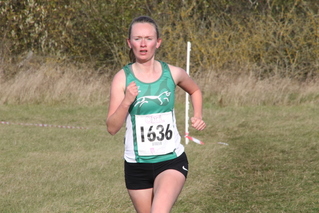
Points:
[[277, 37]]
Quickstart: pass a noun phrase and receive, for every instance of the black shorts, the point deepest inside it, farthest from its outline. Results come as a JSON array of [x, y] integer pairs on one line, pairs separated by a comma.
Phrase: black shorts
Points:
[[142, 175]]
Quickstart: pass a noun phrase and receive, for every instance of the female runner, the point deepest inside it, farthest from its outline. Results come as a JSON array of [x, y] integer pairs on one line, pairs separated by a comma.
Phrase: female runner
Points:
[[142, 96]]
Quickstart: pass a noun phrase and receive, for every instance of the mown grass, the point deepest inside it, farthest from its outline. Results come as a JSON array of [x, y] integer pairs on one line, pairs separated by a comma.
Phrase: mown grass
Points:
[[270, 165]]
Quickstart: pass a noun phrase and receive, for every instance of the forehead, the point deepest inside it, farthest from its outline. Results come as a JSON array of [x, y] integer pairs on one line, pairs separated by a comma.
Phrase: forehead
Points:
[[143, 29]]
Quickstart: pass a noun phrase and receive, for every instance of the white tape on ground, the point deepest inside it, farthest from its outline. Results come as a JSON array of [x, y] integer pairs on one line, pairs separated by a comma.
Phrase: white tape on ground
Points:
[[43, 125], [201, 142]]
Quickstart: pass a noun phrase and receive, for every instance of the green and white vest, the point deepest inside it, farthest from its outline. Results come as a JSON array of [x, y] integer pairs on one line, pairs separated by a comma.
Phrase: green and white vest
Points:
[[151, 133]]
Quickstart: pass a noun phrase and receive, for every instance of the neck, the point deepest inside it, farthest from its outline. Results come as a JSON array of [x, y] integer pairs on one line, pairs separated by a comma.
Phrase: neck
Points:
[[147, 72], [145, 67]]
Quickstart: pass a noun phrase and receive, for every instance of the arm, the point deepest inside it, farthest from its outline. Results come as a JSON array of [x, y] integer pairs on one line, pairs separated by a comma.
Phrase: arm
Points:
[[183, 80], [120, 100]]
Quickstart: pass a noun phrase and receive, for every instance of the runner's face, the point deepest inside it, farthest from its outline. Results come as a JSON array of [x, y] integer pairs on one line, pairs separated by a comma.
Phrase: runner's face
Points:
[[143, 41]]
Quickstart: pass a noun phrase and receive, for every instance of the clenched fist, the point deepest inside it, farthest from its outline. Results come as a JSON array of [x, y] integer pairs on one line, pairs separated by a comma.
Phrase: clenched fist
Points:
[[198, 123], [131, 92]]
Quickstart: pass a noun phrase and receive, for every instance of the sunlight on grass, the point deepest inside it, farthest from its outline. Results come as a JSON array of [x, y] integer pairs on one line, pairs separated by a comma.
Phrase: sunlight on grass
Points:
[[270, 164]]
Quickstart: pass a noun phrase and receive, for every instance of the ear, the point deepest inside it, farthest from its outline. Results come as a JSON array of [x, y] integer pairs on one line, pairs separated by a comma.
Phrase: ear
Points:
[[159, 42], [128, 43]]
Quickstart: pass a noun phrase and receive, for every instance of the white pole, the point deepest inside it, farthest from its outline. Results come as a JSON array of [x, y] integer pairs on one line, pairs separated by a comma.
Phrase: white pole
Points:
[[187, 96]]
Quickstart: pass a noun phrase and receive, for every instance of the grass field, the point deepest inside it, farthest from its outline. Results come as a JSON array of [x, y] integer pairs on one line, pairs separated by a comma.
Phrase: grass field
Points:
[[270, 165]]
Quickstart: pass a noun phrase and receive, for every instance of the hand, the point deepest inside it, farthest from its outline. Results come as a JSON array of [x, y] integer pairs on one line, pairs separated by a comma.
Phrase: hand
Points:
[[198, 123], [131, 92]]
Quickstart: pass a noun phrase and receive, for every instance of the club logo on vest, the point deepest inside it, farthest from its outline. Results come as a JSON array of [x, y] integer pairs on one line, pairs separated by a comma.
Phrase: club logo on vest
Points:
[[161, 98]]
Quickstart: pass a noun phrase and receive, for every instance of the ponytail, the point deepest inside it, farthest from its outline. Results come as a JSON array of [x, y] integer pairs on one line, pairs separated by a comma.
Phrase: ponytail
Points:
[[132, 56]]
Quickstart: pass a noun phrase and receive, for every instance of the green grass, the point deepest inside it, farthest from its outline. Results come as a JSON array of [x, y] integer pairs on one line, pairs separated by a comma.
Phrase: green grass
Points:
[[270, 165]]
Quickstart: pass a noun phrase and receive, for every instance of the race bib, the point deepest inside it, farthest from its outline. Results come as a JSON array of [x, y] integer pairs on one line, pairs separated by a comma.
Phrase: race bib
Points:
[[155, 134]]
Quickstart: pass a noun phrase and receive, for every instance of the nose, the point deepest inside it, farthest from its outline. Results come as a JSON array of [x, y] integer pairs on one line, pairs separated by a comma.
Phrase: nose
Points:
[[143, 43]]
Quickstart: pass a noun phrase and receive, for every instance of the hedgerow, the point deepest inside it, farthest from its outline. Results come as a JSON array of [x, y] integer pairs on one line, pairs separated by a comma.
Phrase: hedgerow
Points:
[[237, 36]]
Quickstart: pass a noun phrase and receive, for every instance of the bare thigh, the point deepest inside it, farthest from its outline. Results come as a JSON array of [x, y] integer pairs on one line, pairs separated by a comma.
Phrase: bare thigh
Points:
[[142, 199], [167, 187]]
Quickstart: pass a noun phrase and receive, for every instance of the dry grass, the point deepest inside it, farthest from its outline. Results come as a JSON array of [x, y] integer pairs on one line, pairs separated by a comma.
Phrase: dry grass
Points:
[[248, 90], [52, 83]]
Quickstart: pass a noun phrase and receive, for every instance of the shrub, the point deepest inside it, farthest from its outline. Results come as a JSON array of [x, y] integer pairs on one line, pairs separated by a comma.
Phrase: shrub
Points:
[[277, 37]]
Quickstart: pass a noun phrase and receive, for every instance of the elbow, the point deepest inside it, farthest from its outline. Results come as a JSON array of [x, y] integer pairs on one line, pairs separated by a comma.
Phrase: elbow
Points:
[[196, 92], [111, 129], [112, 132]]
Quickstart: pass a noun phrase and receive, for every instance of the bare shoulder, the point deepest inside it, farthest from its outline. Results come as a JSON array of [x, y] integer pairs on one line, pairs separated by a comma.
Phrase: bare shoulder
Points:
[[119, 75], [175, 68], [183, 80], [178, 73], [119, 79]]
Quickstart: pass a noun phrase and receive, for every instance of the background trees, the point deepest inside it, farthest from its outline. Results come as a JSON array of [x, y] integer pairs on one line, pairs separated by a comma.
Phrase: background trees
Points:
[[277, 37]]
